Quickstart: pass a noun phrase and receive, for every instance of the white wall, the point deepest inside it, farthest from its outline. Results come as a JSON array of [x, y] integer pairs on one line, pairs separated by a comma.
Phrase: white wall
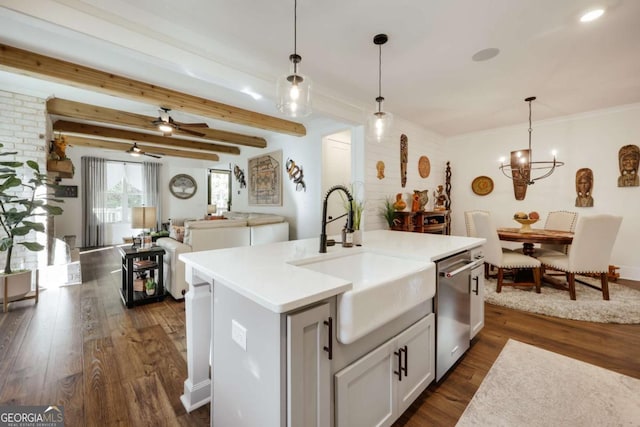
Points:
[[421, 142], [589, 140], [23, 130]]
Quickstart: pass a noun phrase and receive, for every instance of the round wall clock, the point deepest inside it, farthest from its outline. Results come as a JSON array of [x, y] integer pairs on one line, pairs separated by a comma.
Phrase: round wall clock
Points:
[[482, 185], [183, 186], [424, 166]]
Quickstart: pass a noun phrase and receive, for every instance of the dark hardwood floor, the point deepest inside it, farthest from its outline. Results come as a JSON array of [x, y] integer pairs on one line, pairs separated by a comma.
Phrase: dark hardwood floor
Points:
[[108, 365]]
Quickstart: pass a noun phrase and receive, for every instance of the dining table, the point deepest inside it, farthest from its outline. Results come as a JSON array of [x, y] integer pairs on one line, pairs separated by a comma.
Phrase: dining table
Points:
[[536, 235]]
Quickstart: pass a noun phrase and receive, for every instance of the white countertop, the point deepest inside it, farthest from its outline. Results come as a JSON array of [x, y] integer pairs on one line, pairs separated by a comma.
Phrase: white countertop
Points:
[[265, 275]]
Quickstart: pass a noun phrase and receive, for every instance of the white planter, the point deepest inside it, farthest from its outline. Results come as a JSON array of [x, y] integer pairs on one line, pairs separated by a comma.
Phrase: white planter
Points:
[[15, 285]]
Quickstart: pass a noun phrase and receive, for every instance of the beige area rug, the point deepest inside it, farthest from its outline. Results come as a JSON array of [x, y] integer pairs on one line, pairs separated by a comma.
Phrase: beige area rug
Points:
[[54, 276], [528, 386], [623, 306]]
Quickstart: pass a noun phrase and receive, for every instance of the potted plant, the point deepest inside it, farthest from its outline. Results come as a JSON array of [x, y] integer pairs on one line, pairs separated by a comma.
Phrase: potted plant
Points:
[[388, 211], [150, 287], [20, 202], [357, 204]]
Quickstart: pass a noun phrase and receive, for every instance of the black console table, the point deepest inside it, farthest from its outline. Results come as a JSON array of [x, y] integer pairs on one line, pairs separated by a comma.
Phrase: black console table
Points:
[[152, 263]]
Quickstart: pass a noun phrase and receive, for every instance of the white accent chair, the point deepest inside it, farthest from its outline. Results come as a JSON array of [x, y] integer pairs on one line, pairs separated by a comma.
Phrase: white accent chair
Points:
[[503, 259], [590, 251]]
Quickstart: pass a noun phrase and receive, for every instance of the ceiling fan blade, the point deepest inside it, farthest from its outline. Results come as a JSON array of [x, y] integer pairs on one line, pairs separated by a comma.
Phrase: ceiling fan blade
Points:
[[191, 125], [192, 132], [152, 155]]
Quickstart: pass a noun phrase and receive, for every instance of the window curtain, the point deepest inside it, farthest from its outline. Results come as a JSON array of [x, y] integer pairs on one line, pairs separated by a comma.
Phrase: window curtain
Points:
[[94, 184], [151, 190]]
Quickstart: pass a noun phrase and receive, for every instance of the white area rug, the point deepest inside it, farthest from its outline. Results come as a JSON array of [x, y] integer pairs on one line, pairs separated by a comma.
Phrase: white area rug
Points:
[[61, 275], [623, 306], [528, 386]]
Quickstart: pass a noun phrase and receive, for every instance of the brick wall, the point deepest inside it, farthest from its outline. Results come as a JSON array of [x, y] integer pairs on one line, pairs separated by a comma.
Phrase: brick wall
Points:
[[23, 129]]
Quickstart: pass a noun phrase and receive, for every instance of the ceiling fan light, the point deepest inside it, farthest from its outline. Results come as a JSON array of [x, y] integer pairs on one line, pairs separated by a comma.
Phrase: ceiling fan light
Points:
[[165, 128]]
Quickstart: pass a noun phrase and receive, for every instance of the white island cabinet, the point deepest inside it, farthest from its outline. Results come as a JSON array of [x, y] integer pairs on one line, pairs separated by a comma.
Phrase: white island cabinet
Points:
[[376, 389], [275, 356]]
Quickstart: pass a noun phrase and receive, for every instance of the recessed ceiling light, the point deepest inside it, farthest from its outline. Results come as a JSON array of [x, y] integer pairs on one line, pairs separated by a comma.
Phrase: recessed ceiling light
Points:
[[485, 54], [592, 15]]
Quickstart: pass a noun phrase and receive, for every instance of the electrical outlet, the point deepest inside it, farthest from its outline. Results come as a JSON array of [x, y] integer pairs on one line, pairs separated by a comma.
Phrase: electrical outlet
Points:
[[239, 334]]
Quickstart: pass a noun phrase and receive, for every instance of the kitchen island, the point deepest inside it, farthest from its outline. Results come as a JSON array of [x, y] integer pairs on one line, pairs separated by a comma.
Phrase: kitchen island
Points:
[[285, 323]]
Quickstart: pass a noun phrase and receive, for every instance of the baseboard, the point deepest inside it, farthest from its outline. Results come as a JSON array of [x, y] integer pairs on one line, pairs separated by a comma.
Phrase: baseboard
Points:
[[629, 272]]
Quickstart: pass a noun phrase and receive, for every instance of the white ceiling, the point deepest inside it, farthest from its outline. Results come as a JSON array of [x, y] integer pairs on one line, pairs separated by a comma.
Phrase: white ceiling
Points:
[[216, 48]]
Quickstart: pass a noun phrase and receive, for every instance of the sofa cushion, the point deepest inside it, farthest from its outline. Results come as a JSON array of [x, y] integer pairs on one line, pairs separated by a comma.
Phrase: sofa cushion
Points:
[[206, 225]]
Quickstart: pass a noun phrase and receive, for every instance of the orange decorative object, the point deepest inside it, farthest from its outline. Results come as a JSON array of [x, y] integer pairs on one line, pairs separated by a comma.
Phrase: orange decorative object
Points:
[[399, 205], [415, 204]]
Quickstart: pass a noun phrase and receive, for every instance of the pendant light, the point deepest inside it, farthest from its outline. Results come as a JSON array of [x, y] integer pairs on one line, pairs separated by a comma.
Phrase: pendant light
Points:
[[522, 170], [380, 123], [293, 90]]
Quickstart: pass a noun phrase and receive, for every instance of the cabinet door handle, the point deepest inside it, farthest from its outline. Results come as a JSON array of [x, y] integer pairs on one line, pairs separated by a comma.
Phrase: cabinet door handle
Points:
[[329, 348], [399, 371], [406, 362], [477, 280]]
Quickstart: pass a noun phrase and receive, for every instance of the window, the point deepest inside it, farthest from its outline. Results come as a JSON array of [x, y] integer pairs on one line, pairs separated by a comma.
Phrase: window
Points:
[[220, 189], [124, 190]]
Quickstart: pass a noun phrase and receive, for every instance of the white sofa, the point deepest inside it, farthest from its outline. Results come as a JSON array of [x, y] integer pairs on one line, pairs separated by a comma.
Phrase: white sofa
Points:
[[239, 229]]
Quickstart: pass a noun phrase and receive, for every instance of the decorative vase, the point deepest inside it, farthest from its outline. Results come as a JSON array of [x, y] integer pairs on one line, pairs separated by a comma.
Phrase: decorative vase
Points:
[[399, 205]]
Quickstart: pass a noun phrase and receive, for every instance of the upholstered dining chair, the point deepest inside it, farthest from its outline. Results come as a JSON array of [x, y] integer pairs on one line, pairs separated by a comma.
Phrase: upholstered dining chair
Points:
[[590, 251], [503, 259], [559, 221]]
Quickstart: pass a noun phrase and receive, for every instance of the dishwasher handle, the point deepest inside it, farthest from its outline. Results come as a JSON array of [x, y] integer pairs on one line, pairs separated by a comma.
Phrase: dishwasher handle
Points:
[[469, 265]]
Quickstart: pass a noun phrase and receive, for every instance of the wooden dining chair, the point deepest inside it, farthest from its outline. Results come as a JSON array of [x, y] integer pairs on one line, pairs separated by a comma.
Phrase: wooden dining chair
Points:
[[590, 251], [503, 259]]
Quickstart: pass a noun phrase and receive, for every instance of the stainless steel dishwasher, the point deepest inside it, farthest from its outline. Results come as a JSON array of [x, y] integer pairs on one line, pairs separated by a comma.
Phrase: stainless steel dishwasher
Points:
[[452, 307]]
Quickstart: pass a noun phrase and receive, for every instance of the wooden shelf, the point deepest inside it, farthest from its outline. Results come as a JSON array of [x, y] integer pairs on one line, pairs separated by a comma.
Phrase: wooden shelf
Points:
[[63, 167], [435, 222]]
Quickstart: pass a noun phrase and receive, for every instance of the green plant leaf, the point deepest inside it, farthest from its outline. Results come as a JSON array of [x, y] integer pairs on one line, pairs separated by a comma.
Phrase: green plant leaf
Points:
[[33, 165], [32, 246], [6, 243]]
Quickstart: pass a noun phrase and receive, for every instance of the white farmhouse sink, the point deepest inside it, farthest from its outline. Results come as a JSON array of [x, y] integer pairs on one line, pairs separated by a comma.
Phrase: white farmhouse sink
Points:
[[384, 287]]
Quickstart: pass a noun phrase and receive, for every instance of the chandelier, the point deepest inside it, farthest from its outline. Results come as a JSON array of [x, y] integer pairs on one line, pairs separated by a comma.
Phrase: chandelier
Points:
[[522, 169], [293, 90]]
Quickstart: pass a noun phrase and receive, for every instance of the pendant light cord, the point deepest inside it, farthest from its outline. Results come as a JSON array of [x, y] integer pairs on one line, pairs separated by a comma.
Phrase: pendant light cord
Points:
[[295, 27], [379, 77], [530, 130]]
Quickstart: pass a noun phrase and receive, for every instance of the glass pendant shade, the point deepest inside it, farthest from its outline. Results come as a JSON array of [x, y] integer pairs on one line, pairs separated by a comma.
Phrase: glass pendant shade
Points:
[[379, 125], [293, 92]]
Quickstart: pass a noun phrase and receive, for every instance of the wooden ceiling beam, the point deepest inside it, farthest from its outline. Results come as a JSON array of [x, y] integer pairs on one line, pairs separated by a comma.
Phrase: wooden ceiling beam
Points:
[[105, 132], [78, 110], [123, 147], [41, 66]]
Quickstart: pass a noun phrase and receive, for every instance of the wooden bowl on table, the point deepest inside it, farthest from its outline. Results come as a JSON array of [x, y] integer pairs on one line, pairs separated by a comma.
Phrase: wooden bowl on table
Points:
[[526, 225]]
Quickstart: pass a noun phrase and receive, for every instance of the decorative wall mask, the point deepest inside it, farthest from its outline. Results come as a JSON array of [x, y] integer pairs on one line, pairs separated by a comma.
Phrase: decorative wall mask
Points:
[[296, 175], [584, 187], [424, 166], [628, 160], [447, 186], [404, 157], [239, 173], [380, 169]]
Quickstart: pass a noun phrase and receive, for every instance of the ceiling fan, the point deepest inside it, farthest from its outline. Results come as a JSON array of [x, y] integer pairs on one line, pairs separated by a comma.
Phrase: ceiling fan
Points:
[[136, 151], [167, 125]]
